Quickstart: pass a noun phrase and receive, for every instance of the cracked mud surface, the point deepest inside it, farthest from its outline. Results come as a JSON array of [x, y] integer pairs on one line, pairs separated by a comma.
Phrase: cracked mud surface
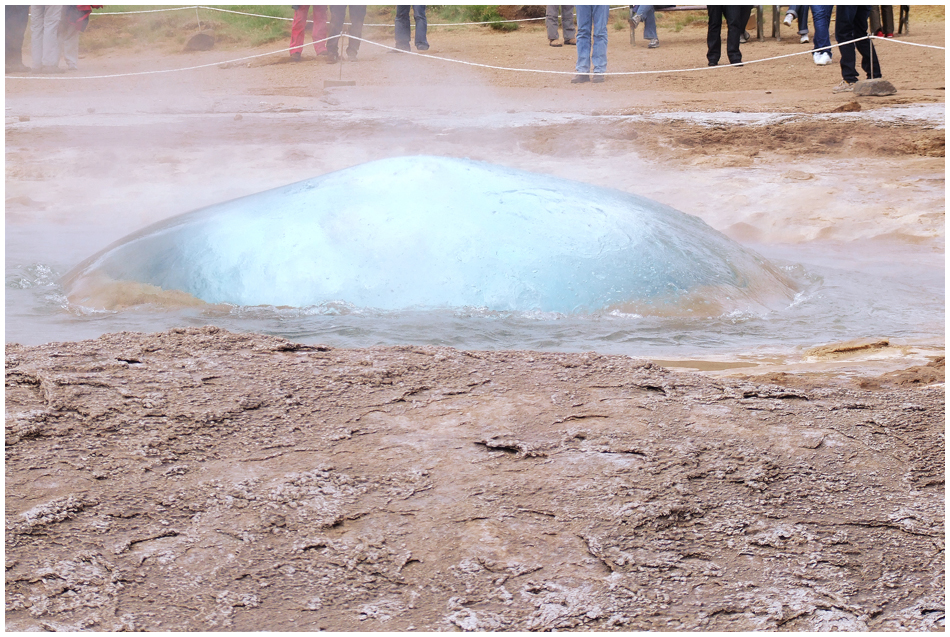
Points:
[[202, 480]]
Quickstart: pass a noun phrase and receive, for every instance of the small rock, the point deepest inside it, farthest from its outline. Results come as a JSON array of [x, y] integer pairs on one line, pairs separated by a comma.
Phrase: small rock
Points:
[[850, 107], [877, 87], [200, 42], [90, 110], [24, 118], [238, 117]]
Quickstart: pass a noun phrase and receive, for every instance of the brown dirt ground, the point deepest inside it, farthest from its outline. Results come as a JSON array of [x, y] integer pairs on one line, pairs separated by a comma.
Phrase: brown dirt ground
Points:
[[201, 480]]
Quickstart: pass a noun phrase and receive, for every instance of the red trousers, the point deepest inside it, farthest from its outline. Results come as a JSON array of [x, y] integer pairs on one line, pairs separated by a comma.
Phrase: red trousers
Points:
[[300, 25]]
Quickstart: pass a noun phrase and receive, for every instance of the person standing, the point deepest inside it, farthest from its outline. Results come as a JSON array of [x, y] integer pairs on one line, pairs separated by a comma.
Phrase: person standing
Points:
[[403, 30], [736, 18], [851, 22], [299, 28], [17, 17], [591, 42], [44, 32], [567, 23], [337, 17]]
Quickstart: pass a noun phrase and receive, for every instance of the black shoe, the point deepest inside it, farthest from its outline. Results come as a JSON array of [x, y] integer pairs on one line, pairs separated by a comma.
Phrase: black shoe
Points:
[[580, 79], [598, 77], [332, 58], [351, 56], [713, 64], [294, 57], [422, 47]]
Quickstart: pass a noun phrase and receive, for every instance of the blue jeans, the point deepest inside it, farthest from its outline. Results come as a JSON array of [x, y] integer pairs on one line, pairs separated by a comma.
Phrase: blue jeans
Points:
[[592, 24], [646, 12], [821, 14], [800, 11], [402, 26]]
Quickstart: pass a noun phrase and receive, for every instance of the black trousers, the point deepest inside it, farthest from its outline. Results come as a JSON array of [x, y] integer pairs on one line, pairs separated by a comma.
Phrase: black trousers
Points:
[[851, 21], [337, 18], [16, 18], [736, 19]]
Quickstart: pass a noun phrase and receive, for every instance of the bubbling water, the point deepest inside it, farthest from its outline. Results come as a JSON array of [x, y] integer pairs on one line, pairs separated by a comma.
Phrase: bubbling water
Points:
[[434, 232]]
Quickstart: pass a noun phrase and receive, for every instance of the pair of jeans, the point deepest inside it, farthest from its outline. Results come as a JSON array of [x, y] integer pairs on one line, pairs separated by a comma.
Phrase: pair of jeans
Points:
[[646, 12], [592, 37], [567, 20], [800, 11], [821, 15], [403, 30], [851, 21], [337, 17], [736, 18], [44, 34]]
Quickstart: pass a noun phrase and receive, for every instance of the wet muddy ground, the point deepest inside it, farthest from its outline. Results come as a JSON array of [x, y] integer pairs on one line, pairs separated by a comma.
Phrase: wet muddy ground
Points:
[[201, 480]]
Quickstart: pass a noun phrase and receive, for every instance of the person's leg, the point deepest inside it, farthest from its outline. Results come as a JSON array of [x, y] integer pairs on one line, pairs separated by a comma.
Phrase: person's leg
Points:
[[337, 18], [403, 32], [567, 23], [821, 15], [714, 33], [357, 17], [649, 21], [869, 62], [599, 17], [803, 19], [844, 31], [319, 29], [584, 16], [297, 29], [876, 19], [422, 26], [69, 42], [734, 30], [887, 19], [52, 17], [17, 17], [550, 20]]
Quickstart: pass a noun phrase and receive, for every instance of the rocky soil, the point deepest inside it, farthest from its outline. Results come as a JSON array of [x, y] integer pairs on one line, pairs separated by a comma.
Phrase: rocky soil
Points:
[[203, 480]]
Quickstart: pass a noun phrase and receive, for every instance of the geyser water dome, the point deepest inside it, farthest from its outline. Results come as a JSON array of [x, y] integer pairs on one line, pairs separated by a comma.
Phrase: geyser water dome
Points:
[[435, 232]]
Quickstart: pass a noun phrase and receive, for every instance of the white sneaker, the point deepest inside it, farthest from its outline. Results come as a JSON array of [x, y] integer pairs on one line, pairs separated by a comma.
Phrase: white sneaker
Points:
[[804, 39], [788, 19]]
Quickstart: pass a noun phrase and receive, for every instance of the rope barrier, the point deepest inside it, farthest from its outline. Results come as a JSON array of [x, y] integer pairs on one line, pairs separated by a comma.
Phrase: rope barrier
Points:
[[464, 62], [274, 17]]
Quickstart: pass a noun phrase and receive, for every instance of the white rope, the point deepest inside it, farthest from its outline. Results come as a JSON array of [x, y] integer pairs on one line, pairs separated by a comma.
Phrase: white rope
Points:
[[274, 17], [194, 6], [444, 59], [929, 46]]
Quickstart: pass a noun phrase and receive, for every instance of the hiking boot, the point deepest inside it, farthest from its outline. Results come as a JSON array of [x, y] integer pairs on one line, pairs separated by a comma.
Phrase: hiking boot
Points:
[[351, 56], [635, 21], [570, 41], [332, 58], [844, 87], [654, 43], [555, 43], [294, 57], [580, 79], [598, 78]]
